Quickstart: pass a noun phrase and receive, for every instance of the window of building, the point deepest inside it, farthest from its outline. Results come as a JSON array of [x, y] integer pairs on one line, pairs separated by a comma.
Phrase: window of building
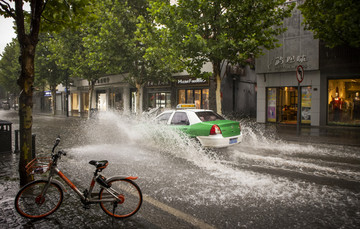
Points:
[[199, 97], [162, 99], [85, 101], [74, 101], [344, 102]]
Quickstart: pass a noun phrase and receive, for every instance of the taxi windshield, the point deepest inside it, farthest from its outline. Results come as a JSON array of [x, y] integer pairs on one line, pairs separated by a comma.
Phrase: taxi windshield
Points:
[[205, 116]]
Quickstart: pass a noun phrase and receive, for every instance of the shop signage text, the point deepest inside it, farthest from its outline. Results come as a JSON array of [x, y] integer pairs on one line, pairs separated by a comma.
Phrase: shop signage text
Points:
[[191, 81], [288, 62], [159, 84]]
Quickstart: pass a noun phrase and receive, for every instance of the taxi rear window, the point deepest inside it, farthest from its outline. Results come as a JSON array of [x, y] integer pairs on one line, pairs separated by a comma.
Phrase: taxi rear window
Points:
[[205, 116], [163, 118]]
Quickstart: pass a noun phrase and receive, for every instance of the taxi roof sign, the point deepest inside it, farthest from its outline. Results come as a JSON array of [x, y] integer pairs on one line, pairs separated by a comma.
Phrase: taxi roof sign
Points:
[[182, 106]]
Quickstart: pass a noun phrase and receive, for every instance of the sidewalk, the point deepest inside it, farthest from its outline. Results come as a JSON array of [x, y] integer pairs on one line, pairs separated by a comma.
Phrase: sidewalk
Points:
[[337, 135]]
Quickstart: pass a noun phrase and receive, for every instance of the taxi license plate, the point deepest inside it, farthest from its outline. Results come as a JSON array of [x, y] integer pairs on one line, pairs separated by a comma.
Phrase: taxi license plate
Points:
[[233, 140]]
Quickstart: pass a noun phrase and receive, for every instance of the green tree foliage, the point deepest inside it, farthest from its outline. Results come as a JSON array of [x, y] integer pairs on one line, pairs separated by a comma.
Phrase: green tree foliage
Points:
[[116, 43], [10, 67], [48, 71], [337, 22], [218, 30]]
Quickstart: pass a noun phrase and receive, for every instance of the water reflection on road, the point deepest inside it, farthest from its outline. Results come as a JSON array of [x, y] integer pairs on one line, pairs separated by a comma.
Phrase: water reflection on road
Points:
[[262, 182]]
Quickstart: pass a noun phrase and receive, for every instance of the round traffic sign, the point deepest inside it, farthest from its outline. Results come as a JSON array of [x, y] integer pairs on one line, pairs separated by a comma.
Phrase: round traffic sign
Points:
[[300, 73]]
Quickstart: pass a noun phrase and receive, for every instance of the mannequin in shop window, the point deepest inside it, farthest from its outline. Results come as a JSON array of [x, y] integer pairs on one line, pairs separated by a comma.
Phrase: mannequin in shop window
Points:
[[356, 106], [337, 106]]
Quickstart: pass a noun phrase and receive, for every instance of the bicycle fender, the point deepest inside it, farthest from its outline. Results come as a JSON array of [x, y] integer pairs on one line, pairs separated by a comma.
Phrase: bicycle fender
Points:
[[121, 177], [56, 182]]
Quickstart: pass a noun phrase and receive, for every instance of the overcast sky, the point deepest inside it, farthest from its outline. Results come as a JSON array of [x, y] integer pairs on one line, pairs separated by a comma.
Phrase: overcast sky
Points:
[[7, 32]]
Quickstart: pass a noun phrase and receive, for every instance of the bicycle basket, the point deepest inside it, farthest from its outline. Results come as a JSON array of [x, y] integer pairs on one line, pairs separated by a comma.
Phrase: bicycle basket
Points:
[[38, 165]]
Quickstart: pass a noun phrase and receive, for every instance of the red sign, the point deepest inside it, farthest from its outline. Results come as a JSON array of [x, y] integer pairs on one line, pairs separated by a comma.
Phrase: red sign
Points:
[[300, 73]]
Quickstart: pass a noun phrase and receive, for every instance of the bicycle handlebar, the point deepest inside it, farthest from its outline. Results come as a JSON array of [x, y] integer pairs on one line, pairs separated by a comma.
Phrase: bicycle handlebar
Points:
[[56, 156], [57, 141]]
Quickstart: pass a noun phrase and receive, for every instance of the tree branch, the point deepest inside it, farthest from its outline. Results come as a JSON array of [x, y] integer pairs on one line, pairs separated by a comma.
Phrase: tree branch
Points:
[[7, 9]]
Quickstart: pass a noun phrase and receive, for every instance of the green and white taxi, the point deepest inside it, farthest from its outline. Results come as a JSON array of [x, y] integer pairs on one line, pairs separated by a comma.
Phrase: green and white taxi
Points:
[[210, 128]]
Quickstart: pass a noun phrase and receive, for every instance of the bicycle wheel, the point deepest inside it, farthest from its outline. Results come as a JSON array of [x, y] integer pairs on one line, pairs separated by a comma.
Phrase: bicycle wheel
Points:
[[130, 198], [31, 204]]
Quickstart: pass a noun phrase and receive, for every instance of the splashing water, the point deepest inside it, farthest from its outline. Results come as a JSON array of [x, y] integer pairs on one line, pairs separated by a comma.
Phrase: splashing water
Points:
[[260, 169]]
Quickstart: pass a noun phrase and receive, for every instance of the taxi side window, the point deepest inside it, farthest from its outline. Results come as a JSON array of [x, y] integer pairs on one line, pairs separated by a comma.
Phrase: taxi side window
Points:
[[163, 118], [180, 118]]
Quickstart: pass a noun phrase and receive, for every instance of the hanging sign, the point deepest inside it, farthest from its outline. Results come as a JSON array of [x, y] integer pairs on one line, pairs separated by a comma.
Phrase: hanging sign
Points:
[[300, 73]]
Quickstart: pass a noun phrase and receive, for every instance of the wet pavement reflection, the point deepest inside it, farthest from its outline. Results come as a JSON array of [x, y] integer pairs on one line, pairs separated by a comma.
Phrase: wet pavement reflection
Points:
[[273, 179]]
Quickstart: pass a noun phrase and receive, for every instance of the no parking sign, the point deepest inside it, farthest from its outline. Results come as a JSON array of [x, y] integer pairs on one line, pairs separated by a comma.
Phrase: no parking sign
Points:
[[300, 73]]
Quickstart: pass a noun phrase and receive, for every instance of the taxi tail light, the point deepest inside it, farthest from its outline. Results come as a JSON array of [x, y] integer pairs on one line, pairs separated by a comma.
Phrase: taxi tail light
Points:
[[215, 130]]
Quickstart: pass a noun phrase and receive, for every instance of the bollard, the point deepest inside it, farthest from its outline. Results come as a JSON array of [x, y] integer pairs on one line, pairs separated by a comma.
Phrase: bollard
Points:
[[16, 142], [33, 145], [5, 136], [33, 141]]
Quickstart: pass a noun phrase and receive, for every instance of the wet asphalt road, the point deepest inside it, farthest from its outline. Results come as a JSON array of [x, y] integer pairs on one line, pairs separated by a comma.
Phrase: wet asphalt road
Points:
[[264, 182]]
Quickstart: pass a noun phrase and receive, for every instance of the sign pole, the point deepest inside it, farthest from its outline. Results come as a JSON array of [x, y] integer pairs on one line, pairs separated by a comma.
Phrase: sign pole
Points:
[[298, 110], [300, 78]]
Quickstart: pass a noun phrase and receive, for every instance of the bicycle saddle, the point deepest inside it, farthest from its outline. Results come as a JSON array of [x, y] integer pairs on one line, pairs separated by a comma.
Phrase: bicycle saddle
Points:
[[99, 164]]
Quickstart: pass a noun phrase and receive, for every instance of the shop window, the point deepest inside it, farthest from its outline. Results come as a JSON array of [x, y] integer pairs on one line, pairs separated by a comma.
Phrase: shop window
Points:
[[182, 97], [160, 100], [344, 102], [306, 105], [85, 101], [190, 96], [271, 104], [205, 99], [199, 97], [74, 102]]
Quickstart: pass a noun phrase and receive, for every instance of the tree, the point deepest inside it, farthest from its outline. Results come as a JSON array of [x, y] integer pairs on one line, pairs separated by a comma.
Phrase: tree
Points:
[[334, 21], [119, 40], [216, 31], [44, 15], [47, 68], [10, 67]]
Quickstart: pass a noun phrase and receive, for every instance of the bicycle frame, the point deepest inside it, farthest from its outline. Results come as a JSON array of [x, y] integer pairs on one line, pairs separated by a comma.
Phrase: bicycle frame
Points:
[[116, 191], [85, 198]]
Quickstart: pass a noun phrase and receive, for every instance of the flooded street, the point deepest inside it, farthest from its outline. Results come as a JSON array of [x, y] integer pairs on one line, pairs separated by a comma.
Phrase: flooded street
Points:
[[264, 182]]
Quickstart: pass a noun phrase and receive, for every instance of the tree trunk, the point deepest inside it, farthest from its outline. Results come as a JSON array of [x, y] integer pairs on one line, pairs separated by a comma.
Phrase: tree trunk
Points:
[[139, 109], [53, 102], [26, 82], [91, 92], [215, 83]]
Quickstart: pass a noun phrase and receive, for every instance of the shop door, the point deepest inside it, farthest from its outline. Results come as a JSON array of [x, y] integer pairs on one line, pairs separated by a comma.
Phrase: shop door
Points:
[[288, 105]]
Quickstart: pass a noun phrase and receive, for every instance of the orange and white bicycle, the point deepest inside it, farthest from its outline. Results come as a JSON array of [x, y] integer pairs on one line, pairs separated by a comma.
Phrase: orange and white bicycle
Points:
[[119, 196]]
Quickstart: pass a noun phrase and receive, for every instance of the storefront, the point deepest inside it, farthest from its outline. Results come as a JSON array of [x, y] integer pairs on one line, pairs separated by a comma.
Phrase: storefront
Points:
[[159, 95], [282, 105], [344, 102], [193, 91], [184, 89]]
